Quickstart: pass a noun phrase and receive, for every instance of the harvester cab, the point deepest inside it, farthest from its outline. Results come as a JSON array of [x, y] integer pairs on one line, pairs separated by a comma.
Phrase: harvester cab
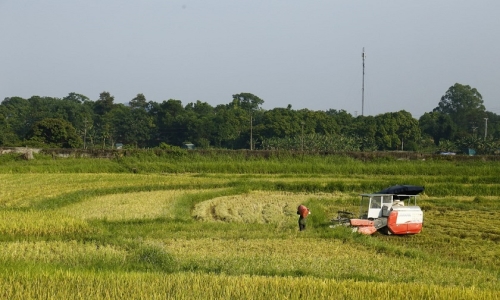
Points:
[[390, 211]]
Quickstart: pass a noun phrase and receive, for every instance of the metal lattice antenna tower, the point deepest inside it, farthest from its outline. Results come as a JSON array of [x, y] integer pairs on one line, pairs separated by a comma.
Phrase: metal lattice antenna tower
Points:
[[363, 86]]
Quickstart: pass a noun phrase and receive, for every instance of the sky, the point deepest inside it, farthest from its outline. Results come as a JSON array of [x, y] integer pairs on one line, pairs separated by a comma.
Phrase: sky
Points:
[[304, 53]]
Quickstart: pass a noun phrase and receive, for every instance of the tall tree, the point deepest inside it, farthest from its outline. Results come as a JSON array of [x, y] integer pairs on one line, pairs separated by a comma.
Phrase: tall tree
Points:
[[227, 125], [78, 98], [343, 119], [139, 102], [247, 101], [246, 106], [54, 133], [366, 128], [465, 107], [15, 111], [7, 136], [438, 126], [104, 104], [103, 120], [200, 123], [281, 122], [318, 122], [130, 126], [396, 129], [168, 117]]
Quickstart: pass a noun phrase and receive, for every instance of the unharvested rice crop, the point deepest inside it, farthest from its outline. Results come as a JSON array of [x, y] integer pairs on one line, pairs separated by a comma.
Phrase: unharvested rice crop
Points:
[[139, 205], [70, 253], [14, 191], [314, 257], [106, 285], [235, 236], [38, 224]]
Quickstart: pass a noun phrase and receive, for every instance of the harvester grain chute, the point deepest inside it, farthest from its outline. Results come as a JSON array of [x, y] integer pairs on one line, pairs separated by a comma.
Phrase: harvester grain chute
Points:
[[393, 210]]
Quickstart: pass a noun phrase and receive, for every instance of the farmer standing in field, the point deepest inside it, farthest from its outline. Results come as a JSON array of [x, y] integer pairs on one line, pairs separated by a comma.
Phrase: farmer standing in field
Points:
[[303, 212]]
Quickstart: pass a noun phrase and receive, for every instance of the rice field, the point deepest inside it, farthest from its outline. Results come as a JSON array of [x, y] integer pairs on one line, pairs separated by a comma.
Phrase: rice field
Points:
[[211, 235]]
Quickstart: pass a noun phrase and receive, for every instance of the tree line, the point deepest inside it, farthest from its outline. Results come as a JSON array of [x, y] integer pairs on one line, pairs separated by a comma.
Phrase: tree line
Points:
[[460, 120]]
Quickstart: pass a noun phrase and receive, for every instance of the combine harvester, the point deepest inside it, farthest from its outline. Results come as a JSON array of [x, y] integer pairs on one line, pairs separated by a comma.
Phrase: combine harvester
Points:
[[390, 211]]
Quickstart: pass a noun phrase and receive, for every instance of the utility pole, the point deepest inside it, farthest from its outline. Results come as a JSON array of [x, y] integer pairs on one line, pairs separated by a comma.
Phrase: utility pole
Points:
[[85, 134], [485, 127], [363, 85], [251, 133], [302, 146]]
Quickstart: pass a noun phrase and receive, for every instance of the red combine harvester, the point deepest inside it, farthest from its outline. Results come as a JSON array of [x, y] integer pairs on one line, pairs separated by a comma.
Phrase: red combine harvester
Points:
[[390, 211]]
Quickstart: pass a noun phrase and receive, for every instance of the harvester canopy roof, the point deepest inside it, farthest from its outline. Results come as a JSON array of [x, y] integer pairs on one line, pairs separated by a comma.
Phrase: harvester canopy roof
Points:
[[402, 189]]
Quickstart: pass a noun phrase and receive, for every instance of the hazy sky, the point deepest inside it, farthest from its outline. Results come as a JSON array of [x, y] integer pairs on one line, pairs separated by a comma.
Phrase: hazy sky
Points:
[[298, 52]]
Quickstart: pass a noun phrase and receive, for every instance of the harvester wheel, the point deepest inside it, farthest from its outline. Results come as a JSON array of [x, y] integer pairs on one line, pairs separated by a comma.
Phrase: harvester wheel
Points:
[[387, 231]]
